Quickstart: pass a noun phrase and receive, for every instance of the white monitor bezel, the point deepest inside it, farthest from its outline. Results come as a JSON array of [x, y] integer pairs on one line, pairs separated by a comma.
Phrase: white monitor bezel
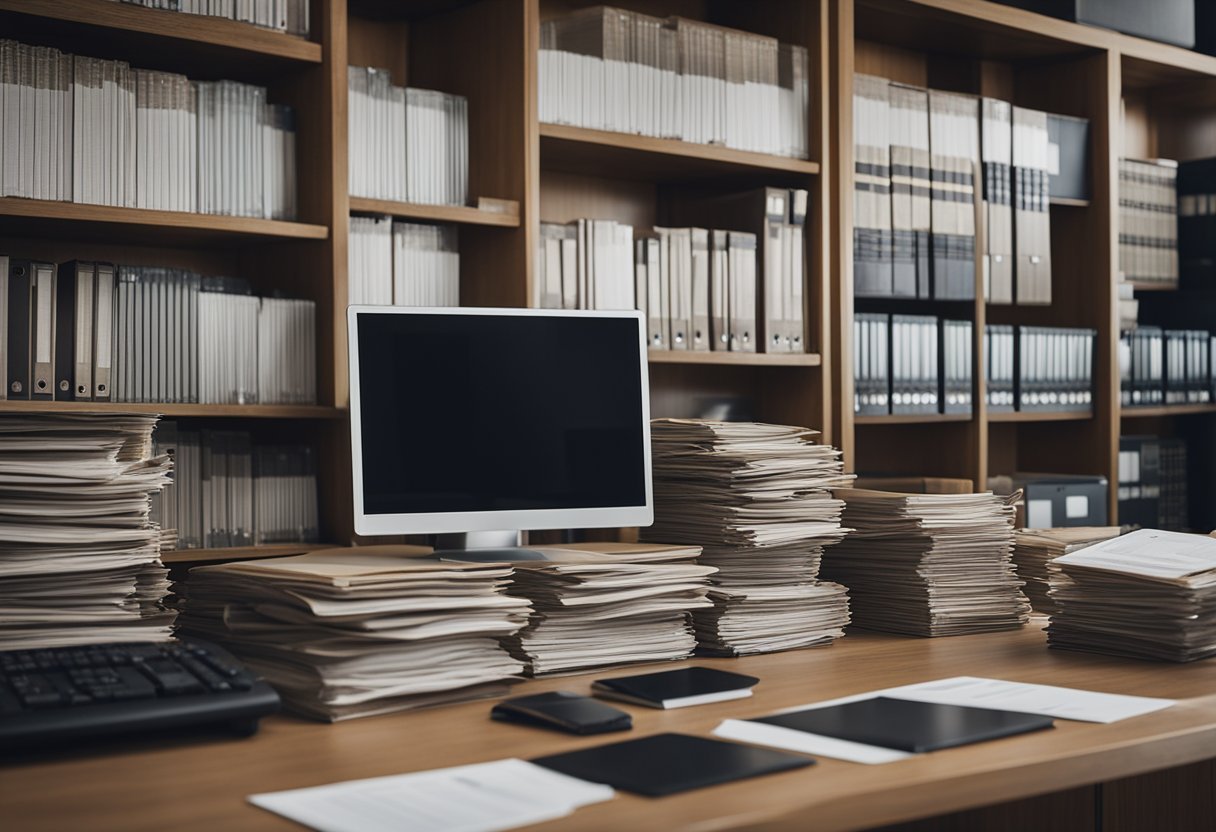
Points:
[[474, 521]]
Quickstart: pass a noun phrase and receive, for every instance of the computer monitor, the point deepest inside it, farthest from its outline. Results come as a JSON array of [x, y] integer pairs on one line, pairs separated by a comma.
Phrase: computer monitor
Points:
[[470, 420]]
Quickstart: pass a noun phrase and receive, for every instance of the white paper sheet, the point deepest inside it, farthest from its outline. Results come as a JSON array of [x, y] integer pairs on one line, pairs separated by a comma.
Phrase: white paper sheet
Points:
[[1046, 700], [1150, 552], [484, 797]]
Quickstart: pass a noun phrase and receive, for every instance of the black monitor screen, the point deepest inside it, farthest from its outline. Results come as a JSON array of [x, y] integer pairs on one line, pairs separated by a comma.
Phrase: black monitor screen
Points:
[[499, 412]]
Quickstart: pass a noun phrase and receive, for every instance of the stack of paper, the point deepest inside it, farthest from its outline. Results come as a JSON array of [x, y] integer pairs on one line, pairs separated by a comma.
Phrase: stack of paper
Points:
[[1149, 595], [601, 604], [929, 564], [481, 797], [79, 558], [1033, 549], [756, 497], [353, 632]]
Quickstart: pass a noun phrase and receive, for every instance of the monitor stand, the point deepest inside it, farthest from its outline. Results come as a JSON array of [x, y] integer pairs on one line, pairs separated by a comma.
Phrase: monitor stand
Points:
[[484, 547]]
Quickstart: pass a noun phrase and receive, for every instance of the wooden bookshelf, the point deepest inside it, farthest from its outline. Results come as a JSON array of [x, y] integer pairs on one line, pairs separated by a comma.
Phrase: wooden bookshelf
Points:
[[1142, 98], [459, 214], [910, 418]]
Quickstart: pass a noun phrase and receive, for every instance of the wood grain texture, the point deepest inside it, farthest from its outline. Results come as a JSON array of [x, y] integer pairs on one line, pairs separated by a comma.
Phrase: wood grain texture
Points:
[[202, 784], [457, 214], [39, 218], [753, 359], [224, 411], [1178, 800]]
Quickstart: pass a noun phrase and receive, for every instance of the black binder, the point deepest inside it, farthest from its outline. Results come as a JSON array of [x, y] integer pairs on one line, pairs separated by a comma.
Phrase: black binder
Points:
[[73, 286], [670, 763], [676, 688], [909, 726], [19, 306]]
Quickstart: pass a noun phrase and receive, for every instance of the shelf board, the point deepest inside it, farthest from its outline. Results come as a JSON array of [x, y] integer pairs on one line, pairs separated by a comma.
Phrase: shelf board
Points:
[[1068, 202], [199, 45], [44, 218], [436, 213], [1166, 410], [580, 150], [909, 418], [735, 359], [1153, 287], [1039, 415], [209, 411], [268, 550]]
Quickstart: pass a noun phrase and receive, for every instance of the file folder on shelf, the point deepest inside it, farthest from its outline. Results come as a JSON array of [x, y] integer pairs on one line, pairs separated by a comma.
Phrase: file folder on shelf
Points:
[[1032, 221], [719, 283], [74, 331], [871, 360], [873, 273], [699, 332], [42, 342], [997, 151], [911, 206], [103, 334], [954, 153]]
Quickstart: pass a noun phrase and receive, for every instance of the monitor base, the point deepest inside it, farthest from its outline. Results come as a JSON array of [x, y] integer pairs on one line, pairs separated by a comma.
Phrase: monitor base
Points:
[[510, 554]]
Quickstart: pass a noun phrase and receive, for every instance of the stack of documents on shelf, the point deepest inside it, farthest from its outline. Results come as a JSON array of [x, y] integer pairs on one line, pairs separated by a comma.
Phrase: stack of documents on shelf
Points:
[[36, 122], [406, 144], [602, 604], [1033, 549], [1149, 595], [613, 69], [79, 556], [166, 141], [227, 491], [97, 131], [402, 263], [1148, 221], [929, 564], [483, 797], [290, 16], [353, 632], [756, 497], [259, 182]]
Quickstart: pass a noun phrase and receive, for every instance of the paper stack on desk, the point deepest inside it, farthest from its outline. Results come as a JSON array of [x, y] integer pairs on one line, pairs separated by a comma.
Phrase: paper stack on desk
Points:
[[601, 604], [1033, 549], [929, 564], [353, 632], [756, 497], [79, 558], [1148, 594]]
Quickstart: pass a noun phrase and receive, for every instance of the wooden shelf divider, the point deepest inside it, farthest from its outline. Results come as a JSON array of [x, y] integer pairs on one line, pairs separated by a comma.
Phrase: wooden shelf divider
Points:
[[736, 359], [462, 214], [226, 411], [1040, 415], [629, 156], [1167, 410]]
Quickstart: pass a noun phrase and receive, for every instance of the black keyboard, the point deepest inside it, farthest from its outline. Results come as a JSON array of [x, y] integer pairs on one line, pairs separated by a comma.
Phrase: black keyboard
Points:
[[69, 694]]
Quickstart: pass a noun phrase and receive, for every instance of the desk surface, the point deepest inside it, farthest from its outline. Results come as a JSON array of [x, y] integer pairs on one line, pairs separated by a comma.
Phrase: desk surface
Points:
[[203, 785]]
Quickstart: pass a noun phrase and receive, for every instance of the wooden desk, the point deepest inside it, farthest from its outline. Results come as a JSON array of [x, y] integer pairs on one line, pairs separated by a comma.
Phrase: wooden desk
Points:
[[203, 785]]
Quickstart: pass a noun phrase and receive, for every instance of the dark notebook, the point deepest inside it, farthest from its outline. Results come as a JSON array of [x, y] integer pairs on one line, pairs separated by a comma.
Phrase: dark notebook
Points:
[[909, 726], [670, 763], [562, 711], [676, 688]]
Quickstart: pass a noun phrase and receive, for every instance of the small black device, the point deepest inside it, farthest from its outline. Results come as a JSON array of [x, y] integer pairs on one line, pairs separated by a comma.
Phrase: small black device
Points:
[[563, 711], [665, 764], [909, 726], [677, 688], [69, 694]]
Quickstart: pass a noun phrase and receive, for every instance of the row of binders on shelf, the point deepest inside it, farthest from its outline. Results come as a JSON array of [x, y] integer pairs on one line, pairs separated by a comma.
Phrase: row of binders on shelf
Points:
[[1166, 366], [289, 16], [612, 69], [905, 364], [402, 263], [84, 331], [922, 159], [1153, 482], [1148, 221], [228, 490], [80, 129], [701, 288], [1039, 368], [406, 144]]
